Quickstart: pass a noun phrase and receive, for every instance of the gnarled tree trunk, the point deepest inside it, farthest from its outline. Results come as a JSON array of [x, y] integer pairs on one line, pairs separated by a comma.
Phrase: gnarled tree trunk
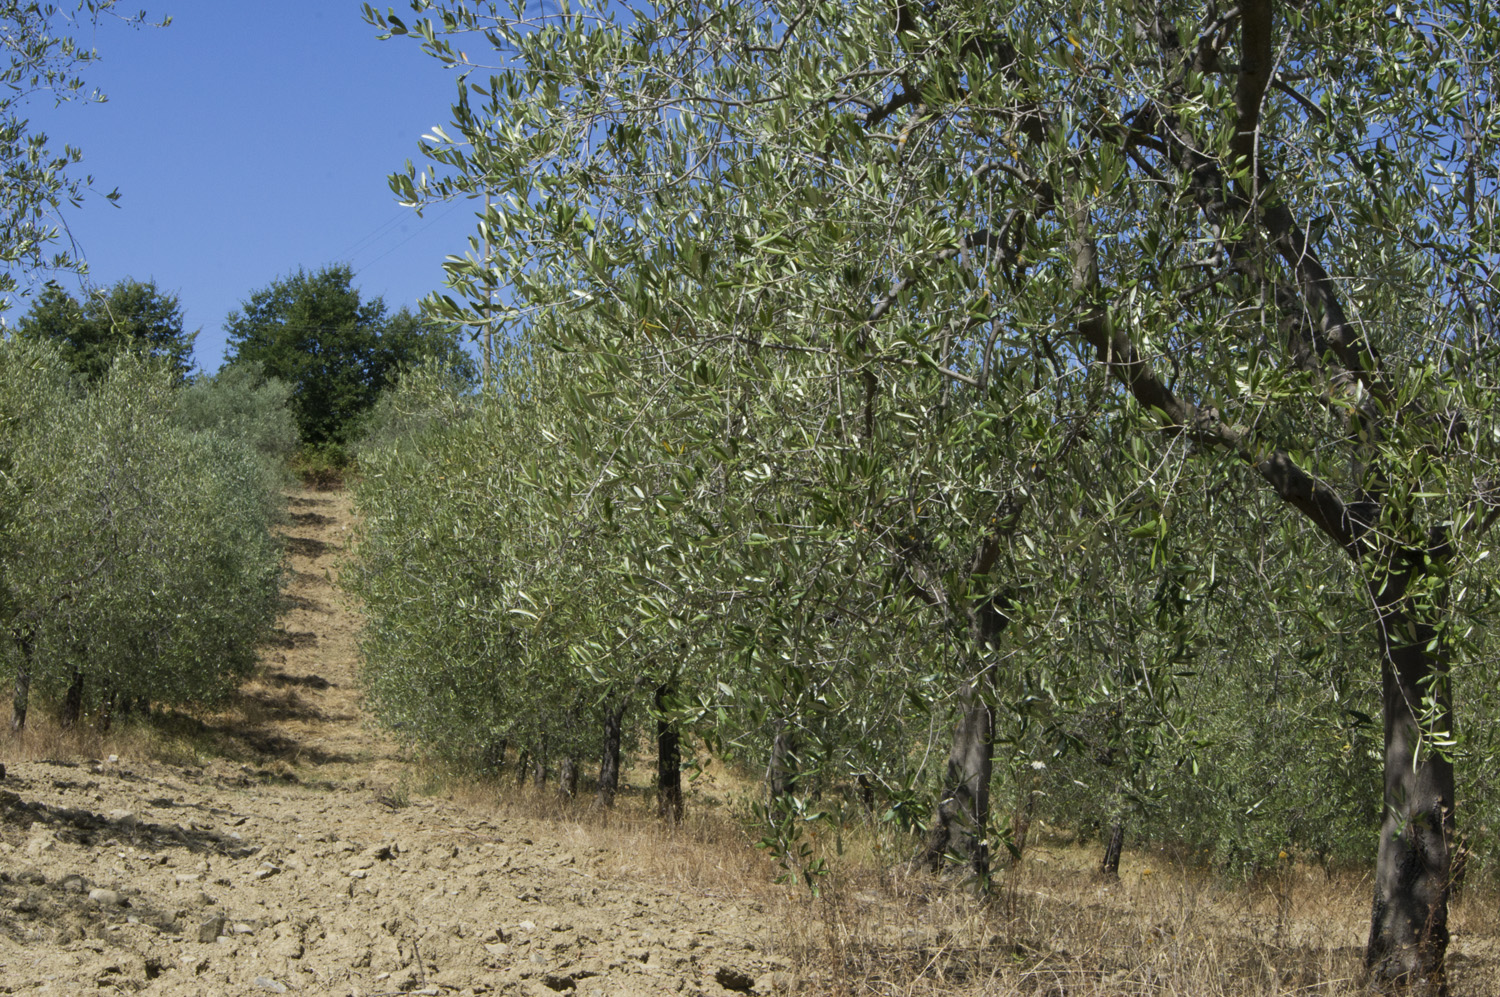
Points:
[[567, 777], [963, 811], [1414, 867]]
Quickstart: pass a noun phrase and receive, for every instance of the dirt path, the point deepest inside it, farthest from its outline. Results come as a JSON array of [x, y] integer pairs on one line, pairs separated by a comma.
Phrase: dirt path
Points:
[[294, 860]]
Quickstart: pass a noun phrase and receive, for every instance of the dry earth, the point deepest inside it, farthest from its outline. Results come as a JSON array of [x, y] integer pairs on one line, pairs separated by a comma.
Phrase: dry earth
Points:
[[309, 867]]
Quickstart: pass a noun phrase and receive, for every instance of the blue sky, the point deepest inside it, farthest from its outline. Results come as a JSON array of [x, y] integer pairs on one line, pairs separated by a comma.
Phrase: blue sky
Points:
[[247, 140]]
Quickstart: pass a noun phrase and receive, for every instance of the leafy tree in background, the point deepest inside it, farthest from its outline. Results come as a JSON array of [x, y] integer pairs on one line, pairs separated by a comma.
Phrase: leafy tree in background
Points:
[[338, 353], [132, 315]]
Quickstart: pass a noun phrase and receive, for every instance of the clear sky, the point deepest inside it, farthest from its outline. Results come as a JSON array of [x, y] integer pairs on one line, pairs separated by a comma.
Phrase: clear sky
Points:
[[248, 139]]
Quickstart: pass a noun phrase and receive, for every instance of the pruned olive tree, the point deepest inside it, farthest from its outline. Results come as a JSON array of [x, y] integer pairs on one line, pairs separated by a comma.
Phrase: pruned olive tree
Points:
[[1269, 226]]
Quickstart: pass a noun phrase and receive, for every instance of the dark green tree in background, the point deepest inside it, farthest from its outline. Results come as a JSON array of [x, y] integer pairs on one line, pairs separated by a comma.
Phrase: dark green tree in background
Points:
[[311, 330], [132, 315]]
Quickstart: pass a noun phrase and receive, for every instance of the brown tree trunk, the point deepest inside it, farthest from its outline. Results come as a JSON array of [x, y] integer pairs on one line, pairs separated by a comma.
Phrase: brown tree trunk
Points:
[[1413, 870], [523, 767], [21, 698], [539, 764], [781, 772], [492, 757], [668, 762], [609, 763], [1113, 845], [567, 777], [72, 704]]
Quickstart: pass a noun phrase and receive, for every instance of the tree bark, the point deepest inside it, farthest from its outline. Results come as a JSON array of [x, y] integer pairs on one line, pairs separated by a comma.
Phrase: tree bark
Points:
[[668, 762], [1413, 870], [609, 763], [963, 810], [492, 757], [781, 771], [72, 704], [539, 764], [523, 766], [567, 777], [1109, 868], [21, 697]]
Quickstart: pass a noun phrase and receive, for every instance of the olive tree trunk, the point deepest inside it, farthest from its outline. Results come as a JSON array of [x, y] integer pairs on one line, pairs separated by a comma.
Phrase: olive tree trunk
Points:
[[963, 810], [609, 762], [71, 710], [668, 761], [1114, 844], [1414, 867], [781, 770], [567, 777], [21, 696]]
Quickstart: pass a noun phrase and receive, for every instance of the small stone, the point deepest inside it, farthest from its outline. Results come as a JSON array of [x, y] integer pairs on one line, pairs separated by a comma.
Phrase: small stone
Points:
[[266, 983], [106, 898], [74, 883], [241, 928], [124, 818], [359, 874], [112, 759], [538, 958], [499, 950], [210, 929], [526, 926], [266, 871], [187, 877], [40, 842], [31, 877]]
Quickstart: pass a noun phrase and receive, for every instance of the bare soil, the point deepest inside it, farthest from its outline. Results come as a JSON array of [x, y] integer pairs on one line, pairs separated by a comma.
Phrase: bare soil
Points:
[[295, 857]]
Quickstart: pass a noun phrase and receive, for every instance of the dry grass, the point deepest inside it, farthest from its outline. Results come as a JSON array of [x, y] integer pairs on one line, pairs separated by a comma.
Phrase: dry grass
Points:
[[878, 925], [1050, 927]]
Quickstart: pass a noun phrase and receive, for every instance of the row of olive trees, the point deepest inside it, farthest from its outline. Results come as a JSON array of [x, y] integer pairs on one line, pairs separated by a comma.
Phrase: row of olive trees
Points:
[[1262, 233], [137, 562]]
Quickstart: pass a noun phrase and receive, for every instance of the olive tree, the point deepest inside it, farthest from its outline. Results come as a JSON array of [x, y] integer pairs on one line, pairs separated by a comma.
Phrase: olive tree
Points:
[[137, 563], [1269, 227]]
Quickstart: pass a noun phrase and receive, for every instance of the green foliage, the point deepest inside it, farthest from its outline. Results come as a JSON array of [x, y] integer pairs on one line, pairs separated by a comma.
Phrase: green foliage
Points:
[[241, 402], [936, 357], [131, 316], [136, 558], [472, 615], [338, 353]]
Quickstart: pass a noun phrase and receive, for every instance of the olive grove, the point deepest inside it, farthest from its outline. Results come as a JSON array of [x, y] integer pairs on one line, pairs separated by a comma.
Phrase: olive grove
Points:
[[909, 336]]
